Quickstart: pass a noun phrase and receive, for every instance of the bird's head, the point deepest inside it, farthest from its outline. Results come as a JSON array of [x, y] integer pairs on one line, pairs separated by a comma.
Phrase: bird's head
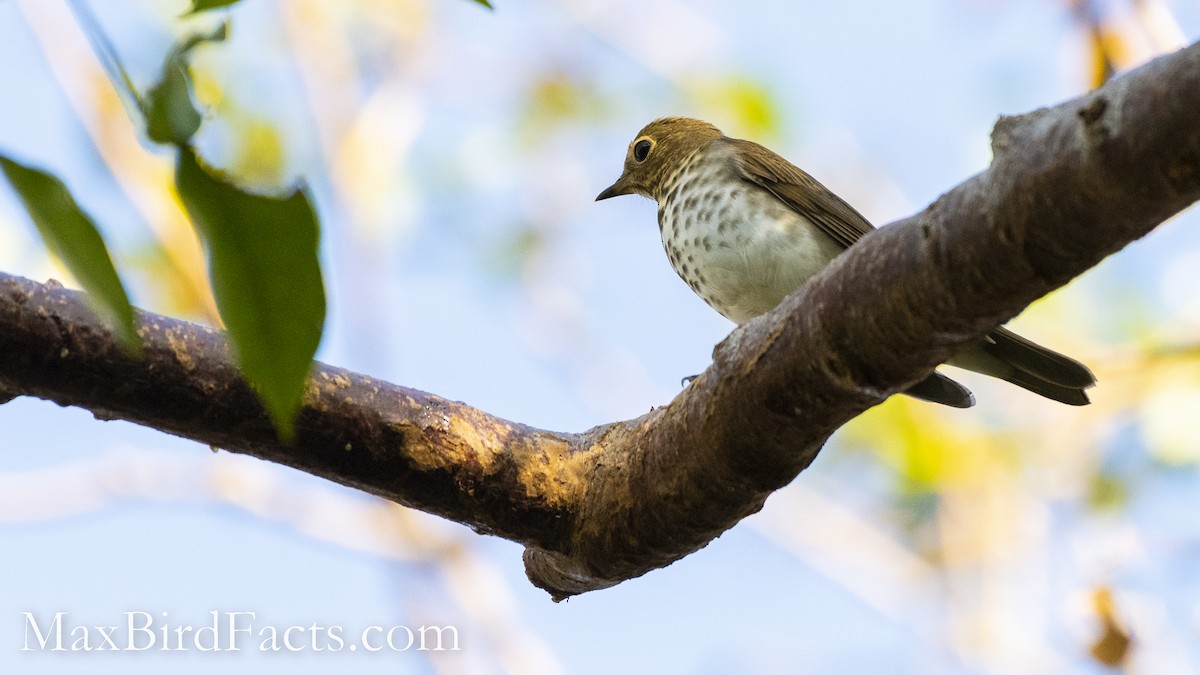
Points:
[[656, 151]]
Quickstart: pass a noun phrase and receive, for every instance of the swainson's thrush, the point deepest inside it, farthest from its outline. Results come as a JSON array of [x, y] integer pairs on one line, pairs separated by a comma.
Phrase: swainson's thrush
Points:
[[744, 228]]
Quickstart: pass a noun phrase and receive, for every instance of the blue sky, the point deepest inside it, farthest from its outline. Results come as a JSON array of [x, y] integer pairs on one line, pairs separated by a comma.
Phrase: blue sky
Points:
[[889, 104]]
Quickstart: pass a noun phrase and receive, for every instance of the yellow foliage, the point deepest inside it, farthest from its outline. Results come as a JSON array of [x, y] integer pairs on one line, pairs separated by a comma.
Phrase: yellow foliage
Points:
[[739, 105], [1113, 646], [931, 448], [260, 151]]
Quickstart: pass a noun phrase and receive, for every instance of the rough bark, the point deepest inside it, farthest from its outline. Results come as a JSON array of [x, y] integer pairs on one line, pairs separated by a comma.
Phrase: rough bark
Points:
[[1068, 186]]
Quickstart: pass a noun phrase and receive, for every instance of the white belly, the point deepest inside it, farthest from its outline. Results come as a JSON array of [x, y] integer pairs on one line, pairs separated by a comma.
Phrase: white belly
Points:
[[745, 259]]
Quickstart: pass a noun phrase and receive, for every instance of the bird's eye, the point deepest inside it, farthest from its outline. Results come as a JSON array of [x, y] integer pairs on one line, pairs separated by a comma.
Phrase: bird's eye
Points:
[[641, 149]]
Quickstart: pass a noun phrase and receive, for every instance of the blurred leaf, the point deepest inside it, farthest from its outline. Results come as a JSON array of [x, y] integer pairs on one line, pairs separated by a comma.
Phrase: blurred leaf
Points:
[[164, 284], [265, 274], [557, 95], [259, 148], [560, 96], [104, 50], [171, 117], [171, 114], [205, 5], [1107, 491], [509, 256], [73, 237], [746, 107], [485, 3], [919, 446], [1105, 49], [1113, 645], [1166, 410]]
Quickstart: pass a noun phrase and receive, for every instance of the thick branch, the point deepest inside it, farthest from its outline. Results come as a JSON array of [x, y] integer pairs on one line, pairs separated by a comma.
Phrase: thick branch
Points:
[[1068, 186], [402, 444]]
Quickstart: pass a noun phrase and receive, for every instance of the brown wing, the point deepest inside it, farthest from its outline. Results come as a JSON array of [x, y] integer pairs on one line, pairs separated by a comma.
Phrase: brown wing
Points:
[[800, 191], [806, 196]]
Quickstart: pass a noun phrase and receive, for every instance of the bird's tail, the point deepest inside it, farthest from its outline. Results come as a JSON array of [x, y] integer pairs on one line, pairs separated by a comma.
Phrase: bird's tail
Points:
[[1045, 372], [937, 388]]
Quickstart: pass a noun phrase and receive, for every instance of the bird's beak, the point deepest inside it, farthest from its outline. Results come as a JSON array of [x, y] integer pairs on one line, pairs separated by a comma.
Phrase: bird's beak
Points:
[[621, 187]]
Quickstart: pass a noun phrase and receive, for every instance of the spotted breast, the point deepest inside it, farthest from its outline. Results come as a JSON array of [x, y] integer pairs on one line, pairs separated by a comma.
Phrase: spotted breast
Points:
[[736, 245]]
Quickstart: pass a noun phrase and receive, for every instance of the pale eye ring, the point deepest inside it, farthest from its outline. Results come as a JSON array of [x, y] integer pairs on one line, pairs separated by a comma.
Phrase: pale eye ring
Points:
[[641, 150]]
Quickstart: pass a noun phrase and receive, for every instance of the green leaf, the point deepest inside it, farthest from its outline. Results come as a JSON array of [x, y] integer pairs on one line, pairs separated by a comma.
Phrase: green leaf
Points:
[[73, 237], [205, 5], [485, 3], [171, 114], [262, 258], [171, 117]]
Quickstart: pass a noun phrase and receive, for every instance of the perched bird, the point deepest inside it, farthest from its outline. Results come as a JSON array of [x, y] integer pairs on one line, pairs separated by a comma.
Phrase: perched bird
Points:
[[744, 228]]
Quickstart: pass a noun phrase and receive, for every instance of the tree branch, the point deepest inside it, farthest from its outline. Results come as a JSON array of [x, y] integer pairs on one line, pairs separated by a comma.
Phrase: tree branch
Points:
[[1068, 186]]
